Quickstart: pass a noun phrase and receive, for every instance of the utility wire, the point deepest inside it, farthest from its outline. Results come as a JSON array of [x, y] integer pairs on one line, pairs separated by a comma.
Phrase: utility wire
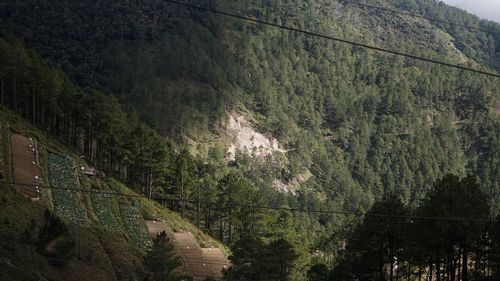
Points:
[[338, 39], [257, 207], [417, 16]]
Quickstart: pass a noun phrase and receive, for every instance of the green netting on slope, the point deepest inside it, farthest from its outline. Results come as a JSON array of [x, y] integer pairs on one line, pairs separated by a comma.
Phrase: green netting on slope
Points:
[[67, 203], [134, 226]]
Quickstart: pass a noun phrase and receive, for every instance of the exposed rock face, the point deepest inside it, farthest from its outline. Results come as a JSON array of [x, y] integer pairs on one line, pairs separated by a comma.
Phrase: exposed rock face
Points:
[[244, 137]]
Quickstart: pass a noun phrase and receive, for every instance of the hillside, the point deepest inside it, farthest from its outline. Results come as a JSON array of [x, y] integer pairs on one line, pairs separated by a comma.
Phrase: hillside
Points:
[[358, 120], [278, 144], [111, 232]]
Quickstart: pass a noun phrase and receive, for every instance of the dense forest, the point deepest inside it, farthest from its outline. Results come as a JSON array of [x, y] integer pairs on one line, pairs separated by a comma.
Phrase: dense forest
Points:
[[128, 82]]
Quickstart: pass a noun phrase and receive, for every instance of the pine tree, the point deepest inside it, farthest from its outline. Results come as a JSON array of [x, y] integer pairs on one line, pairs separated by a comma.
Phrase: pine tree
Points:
[[161, 259]]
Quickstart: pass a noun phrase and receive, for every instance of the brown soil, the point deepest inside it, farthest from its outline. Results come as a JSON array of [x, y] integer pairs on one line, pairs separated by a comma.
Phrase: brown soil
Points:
[[192, 256], [25, 167], [216, 260], [155, 227]]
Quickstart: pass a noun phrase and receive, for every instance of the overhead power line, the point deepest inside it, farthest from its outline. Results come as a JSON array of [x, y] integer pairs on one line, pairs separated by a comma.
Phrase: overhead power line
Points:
[[257, 207], [389, 10], [328, 37]]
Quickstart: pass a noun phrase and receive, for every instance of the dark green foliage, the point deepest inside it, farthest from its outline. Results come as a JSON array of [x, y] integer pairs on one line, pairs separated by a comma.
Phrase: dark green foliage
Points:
[[446, 231], [235, 198], [254, 260], [62, 175], [318, 272], [161, 260], [377, 243], [54, 240], [363, 124]]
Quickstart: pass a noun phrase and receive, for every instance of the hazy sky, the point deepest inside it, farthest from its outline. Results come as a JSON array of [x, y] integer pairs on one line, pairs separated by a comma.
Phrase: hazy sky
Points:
[[486, 9]]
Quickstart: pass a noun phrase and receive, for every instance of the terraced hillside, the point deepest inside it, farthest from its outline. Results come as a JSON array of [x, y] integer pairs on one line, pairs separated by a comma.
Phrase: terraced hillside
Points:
[[216, 260], [110, 232], [188, 249], [199, 262], [25, 166]]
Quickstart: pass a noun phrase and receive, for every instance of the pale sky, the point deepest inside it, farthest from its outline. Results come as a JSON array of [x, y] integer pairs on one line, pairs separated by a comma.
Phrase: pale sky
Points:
[[485, 9]]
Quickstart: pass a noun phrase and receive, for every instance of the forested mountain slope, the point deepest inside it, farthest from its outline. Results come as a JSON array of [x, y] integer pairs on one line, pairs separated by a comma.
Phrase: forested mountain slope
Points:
[[359, 125], [392, 124]]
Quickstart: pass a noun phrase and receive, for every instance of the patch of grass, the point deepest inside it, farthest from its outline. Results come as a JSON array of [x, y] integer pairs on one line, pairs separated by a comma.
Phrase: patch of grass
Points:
[[125, 262], [20, 261]]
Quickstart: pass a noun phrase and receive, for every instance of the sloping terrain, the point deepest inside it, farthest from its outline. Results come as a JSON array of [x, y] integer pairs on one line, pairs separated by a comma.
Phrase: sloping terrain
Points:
[[25, 166], [198, 262], [246, 139], [216, 260], [357, 125], [110, 232], [188, 249]]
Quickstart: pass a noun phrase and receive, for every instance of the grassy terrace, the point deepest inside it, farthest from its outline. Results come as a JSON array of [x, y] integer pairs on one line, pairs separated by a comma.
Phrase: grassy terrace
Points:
[[67, 204]]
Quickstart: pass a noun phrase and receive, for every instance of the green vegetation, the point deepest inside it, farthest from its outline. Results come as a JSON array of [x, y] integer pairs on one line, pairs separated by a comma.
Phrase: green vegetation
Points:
[[254, 260], [54, 240], [23, 223], [5, 156], [387, 120], [134, 226], [62, 176], [395, 240], [161, 260], [104, 208], [99, 252], [374, 131]]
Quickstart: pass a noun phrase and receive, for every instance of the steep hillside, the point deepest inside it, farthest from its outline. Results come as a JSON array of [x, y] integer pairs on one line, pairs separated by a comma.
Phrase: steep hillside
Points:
[[357, 119], [156, 95], [107, 221]]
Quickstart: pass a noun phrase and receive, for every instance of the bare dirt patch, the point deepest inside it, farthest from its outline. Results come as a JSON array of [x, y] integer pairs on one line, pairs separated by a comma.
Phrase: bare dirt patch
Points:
[[156, 227], [216, 260], [25, 166], [194, 262]]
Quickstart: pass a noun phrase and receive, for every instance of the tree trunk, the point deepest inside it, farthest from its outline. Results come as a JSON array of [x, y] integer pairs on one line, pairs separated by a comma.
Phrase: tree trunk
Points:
[[221, 230], [438, 270], [230, 233], [33, 112], [453, 270], [464, 263], [391, 272], [199, 208], [182, 193]]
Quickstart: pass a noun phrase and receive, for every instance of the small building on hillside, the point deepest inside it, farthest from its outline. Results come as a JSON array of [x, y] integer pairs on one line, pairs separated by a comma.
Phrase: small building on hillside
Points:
[[89, 171]]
